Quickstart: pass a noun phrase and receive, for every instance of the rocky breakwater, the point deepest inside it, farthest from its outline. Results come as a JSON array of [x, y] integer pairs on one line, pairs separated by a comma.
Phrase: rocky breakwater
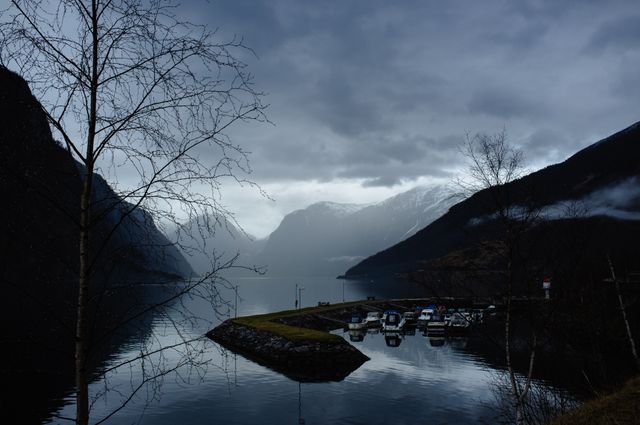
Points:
[[301, 354]]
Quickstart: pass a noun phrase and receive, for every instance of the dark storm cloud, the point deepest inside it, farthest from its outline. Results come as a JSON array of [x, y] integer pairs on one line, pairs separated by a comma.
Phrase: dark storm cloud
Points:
[[618, 34], [502, 104], [374, 90]]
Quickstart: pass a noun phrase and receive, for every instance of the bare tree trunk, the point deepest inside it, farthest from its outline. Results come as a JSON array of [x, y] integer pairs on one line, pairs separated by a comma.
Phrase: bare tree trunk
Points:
[[126, 77], [82, 386], [82, 327], [507, 344], [623, 310]]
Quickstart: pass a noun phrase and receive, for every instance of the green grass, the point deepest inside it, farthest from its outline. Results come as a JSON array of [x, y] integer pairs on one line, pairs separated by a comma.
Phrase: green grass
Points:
[[267, 322], [619, 408]]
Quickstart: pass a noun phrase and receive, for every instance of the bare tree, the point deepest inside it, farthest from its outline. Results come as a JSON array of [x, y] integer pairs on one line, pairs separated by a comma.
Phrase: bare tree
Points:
[[132, 90], [493, 164]]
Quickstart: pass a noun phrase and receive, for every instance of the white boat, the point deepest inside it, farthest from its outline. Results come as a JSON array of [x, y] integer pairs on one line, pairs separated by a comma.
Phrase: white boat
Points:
[[436, 325], [425, 317], [357, 323], [393, 322], [448, 314], [373, 319], [459, 323]]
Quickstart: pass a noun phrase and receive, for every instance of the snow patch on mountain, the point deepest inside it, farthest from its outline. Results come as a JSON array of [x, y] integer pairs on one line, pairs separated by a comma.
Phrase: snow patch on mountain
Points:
[[336, 208]]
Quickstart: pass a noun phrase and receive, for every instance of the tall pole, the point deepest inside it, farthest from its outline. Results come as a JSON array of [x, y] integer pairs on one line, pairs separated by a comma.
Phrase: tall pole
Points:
[[300, 296], [632, 342], [296, 296], [343, 290], [236, 307]]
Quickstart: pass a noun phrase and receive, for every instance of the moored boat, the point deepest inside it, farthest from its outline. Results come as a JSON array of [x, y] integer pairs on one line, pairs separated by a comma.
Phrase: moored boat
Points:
[[424, 318], [373, 319], [410, 318], [356, 322], [459, 323], [436, 325], [393, 322]]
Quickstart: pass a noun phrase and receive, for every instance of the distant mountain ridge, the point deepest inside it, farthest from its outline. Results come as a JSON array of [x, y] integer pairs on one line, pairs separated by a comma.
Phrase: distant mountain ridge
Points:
[[589, 178], [325, 238], [207, 239]]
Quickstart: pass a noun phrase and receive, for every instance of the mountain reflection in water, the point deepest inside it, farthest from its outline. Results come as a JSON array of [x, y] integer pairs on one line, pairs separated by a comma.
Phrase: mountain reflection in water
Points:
[[411, 378]]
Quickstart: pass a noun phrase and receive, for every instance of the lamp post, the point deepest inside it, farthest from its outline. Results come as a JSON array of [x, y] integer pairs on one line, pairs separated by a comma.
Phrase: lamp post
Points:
[[300, 289], [235, 288]]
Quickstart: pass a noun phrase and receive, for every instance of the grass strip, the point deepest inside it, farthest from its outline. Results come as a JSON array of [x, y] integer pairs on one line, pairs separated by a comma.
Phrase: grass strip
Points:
[[619, 408], [267, 322]]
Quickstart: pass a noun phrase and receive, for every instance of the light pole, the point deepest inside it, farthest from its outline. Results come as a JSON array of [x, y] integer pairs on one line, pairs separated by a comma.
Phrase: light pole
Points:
[[235, 288], [296, 296], [300, 296], [343, 290]]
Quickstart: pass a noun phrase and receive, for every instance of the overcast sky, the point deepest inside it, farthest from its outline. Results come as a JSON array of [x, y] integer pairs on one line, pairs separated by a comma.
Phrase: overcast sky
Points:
[[370, 98]]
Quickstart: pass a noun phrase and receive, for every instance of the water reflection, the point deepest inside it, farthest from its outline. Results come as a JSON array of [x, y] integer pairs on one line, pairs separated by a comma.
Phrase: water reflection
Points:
[[231, 389], [436, 341], [393, 339], [357, 335]]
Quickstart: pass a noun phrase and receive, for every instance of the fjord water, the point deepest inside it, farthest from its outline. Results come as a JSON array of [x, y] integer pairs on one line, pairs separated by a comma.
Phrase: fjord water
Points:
[[412, 382]]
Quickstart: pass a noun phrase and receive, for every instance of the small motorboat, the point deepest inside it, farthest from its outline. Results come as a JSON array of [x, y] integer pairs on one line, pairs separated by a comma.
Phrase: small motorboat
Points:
[[356, 322], [393, 322], [459, 323], [436, 325], [410, 318], [448, 314], [373, 319], [424, 318]]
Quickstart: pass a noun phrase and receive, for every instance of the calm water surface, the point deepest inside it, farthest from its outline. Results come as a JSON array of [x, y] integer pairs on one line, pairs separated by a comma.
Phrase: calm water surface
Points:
[[414, 382]]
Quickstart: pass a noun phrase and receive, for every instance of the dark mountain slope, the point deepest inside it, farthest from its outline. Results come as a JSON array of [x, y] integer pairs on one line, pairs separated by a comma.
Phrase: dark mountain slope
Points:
[[613, 160], [40, 186]]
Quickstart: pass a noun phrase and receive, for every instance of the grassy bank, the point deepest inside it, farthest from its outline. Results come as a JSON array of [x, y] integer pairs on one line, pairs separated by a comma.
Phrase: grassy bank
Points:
[[268, 322], [619, 408]]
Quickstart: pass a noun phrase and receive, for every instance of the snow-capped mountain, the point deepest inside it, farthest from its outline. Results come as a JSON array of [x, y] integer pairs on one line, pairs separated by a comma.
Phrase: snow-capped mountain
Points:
[[326, 238], [594, 190]]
